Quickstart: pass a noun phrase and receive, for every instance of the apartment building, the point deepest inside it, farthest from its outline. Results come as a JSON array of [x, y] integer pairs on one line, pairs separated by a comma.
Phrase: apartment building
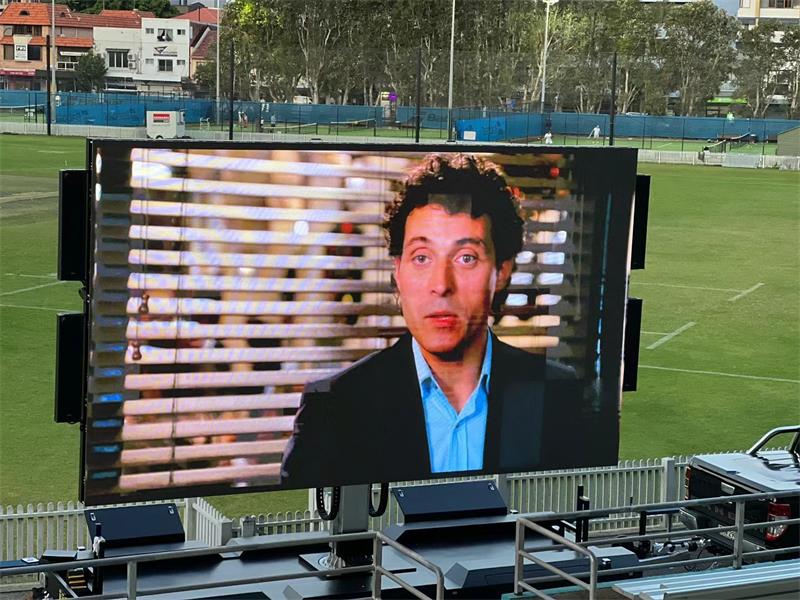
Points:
[[154, 57], [25, 27], [203, 28], [752, 11]]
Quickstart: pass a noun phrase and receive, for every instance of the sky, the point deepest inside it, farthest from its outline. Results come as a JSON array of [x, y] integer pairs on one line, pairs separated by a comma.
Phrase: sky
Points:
[[729, 6]]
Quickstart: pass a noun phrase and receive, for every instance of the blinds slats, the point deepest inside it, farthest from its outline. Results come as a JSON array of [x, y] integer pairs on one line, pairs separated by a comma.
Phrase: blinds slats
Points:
[[148, 481], [164, 455], [258, 190], [256, 165], [155, 406], [255, 261], [245, 236], [195, 380], [207, 283], [160, 356], [202, 306], [252, 213], [187, 429], [184, 329]]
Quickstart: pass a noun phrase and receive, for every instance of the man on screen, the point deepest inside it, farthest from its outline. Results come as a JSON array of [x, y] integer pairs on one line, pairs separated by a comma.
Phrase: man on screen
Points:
[[449, 396]]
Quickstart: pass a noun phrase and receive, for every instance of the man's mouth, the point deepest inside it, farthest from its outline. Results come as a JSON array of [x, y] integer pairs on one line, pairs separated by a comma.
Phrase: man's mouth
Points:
[[442, 319]]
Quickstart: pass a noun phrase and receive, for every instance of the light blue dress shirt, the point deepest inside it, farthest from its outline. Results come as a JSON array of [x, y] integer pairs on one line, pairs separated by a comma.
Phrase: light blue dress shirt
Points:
[[455, 439]]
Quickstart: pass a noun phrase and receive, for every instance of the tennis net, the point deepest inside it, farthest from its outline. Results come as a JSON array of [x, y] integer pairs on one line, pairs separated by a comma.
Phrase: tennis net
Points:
[[27, 112], [340, 126]]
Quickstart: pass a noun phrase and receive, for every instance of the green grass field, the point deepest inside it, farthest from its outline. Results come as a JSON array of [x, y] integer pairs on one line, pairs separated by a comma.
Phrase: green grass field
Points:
[[720, 356]]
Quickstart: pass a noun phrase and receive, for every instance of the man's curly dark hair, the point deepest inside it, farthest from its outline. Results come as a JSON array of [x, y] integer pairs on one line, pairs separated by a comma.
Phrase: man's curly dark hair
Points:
[[462, 183]]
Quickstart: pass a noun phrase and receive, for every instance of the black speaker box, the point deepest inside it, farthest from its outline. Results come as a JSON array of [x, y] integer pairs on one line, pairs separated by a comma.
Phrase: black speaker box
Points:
[[70, 367], [73, 225], [633, 331], [641, 207], [126, 526], [450, 501]]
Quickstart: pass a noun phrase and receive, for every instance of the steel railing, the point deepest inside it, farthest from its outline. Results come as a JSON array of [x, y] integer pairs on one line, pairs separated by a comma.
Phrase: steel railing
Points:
[[735, 558], [375, 568]]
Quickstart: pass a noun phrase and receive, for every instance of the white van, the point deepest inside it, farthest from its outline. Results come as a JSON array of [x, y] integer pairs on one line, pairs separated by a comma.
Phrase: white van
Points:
[[165, 124]]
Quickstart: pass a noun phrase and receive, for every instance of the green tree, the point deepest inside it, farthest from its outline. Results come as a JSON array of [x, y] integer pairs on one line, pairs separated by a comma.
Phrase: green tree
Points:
[[791, 68], [587, 73], [698, 52], [90, 72], [635, 29], [759, 67], [205, 75], [161, 8]]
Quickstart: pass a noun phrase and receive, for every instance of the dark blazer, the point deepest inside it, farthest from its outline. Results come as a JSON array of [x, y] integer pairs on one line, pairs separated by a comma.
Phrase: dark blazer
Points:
[[367, 425]]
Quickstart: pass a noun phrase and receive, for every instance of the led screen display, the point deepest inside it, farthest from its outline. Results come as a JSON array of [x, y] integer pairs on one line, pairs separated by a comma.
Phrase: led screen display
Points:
[[282, 316]]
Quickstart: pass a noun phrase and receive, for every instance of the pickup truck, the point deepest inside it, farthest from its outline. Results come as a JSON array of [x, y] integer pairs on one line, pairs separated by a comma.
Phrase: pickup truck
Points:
[[755, 471]]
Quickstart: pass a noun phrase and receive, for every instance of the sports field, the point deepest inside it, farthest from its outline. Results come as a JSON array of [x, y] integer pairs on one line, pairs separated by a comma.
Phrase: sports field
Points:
[[720, 356]]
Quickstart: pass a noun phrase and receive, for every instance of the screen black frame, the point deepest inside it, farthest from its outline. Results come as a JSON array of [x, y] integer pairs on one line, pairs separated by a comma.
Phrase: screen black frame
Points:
[[600, 168]]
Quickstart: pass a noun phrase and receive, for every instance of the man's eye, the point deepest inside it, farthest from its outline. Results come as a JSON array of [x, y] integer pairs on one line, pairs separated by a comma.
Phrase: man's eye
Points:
[[467, 259], [419, 259]]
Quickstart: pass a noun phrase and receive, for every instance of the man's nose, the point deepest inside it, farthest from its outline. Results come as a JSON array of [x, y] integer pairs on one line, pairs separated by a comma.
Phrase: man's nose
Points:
[[441, 282]]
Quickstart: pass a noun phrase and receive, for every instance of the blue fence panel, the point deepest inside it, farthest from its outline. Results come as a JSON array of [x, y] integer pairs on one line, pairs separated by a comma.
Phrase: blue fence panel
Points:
[[430, 118], [128, 109], [698, 128], [508, 127]]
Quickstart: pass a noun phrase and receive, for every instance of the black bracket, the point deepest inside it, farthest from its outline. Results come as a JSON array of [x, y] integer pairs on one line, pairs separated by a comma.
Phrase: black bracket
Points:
[[641, 206], [73, 225]]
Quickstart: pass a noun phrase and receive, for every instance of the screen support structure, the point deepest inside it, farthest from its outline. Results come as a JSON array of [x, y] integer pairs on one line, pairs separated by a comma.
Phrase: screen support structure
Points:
[[352, 517]]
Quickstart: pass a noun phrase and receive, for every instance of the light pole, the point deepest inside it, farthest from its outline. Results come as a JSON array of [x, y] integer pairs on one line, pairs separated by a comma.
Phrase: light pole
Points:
[[53, 85], [547, 4], [450, 85], [219, 41]]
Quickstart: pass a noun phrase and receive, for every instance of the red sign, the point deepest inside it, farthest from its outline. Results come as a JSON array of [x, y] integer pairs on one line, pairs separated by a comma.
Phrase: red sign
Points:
[[161, 117], [17, 73]]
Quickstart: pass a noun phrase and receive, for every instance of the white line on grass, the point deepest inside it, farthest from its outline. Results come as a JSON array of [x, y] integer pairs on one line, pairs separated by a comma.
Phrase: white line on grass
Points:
[[687, 287], [27, 196], [654, 332], [692, 371], [48, 276], [669, 336], [34, 287], [36, 308], [745, 292]]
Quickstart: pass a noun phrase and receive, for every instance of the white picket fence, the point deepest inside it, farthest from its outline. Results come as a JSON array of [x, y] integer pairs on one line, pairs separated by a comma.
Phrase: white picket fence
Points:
[[32, 529], [29, 530], [721, 159]]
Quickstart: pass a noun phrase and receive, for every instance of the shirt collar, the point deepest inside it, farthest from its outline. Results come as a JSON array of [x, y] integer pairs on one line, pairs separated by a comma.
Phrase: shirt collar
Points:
[[425, 376]]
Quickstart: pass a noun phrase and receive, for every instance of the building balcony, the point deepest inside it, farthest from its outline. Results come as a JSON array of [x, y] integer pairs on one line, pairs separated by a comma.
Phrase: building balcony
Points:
[[780, 10]]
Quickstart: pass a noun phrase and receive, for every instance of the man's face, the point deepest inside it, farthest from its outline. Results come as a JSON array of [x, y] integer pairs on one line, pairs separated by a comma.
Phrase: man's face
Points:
[[446, 277]]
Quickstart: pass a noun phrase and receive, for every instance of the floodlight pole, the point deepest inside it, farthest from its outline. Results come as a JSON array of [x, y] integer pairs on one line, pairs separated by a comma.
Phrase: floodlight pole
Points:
[[450, 86], [47, 84], [219, 41], [547, 4], [613, 111], [230, 99], [419, 94], [54, 60]]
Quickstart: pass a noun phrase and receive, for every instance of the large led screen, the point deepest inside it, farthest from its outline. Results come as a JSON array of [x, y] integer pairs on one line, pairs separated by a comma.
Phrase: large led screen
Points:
[[300, 315]]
